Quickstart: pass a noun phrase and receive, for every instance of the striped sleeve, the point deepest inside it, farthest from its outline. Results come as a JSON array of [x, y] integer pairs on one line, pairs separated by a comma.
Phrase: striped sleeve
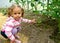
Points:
[[25, 20]]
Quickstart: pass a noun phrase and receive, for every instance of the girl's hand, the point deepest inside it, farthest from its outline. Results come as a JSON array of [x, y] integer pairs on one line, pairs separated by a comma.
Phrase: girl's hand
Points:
[[33, 20]]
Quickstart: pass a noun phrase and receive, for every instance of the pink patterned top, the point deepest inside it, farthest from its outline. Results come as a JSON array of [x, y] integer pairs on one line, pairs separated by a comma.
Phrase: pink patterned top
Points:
[[10, 24]]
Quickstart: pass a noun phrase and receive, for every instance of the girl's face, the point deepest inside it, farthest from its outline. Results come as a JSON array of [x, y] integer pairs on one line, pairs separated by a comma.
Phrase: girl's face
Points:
[[16, 14]]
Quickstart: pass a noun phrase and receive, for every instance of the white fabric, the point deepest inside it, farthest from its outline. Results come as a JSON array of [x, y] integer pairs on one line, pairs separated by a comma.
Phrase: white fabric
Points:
[[26, 20]]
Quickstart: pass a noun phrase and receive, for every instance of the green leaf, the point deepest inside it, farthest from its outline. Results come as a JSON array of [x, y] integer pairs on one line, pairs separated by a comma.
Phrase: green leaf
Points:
[[10, 0], [22, 0], [36, 0], [39, 2], [17, 2], [36, 12], [32, 4]]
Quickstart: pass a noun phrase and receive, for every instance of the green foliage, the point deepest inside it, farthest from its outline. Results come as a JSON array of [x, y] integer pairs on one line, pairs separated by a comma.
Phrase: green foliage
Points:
[[53, 9], [42, 4], [22, 0], [3, 10], [35, 0], [32, 4], [17, 1], [10, 0]]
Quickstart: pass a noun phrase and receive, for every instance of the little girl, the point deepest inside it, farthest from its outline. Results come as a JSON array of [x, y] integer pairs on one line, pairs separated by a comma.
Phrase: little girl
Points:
[[13, 23]]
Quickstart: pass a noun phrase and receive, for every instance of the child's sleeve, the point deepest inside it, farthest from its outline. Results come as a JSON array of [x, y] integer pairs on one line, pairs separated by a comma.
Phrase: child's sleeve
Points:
[[8, 28], [26, 20]]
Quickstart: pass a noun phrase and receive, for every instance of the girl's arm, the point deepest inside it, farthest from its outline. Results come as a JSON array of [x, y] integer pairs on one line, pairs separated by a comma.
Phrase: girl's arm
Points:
[[28, 21]]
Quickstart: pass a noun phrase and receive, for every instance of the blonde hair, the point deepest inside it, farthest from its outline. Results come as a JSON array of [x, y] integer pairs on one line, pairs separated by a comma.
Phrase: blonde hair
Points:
[[10, 10]]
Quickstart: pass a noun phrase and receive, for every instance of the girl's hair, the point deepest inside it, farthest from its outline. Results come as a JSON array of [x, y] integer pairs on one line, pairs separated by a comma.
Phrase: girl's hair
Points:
[[10, 10]]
